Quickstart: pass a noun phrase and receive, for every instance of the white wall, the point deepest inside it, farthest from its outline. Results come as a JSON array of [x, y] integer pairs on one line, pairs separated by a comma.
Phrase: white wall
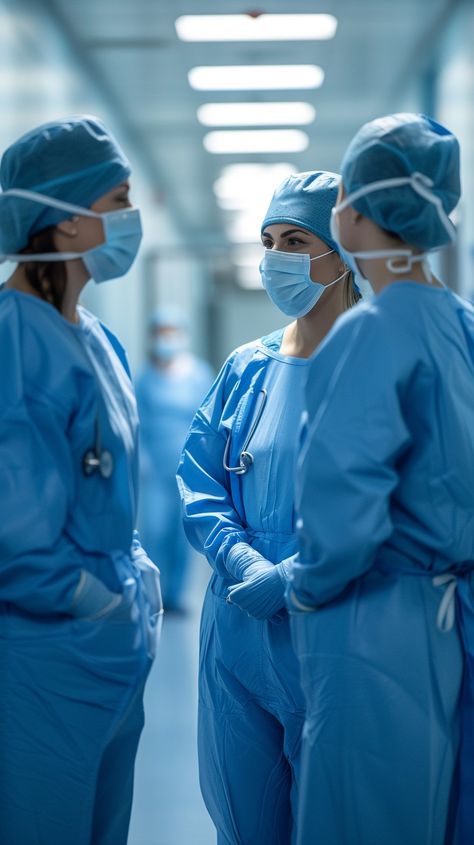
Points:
[[455, 108], [40, 82]]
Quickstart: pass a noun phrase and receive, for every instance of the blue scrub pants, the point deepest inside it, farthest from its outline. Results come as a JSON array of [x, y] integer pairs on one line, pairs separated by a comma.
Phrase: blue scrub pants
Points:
[[250, 721], [71, 715], [381, 737]]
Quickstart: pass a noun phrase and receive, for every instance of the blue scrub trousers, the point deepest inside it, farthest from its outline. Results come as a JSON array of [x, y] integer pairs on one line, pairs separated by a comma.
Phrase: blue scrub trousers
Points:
[[381, 737], [251, 715], [71, 715]]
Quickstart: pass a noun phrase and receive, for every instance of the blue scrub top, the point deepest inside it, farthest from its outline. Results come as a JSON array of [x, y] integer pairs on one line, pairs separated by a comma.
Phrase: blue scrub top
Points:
[[60, 381], [222, 508], [389, 451]]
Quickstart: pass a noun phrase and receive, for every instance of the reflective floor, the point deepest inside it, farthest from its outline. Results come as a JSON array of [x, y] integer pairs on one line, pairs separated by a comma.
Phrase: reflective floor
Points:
[[168, 808]]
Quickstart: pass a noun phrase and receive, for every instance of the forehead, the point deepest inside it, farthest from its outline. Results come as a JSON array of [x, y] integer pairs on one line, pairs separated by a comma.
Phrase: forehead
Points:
[[280, 229]]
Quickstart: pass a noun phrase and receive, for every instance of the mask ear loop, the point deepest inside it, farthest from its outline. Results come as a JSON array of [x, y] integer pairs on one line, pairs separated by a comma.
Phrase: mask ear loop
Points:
[[398, 265], [43, 199], [315, 257], [52, 202], [421, 184], [345, 273], [330, 252]]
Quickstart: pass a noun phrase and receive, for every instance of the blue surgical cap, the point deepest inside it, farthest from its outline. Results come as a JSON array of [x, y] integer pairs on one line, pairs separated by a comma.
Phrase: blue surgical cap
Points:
[[306, 199], [401, 145], [75, 160], [169, 316]]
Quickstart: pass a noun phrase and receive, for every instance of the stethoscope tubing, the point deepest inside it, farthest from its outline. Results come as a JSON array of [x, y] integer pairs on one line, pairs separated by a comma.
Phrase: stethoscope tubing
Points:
[[246, 458]]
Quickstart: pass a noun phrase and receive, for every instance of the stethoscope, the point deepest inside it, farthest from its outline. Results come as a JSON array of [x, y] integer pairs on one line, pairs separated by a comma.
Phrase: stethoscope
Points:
[[97, 459], [246, 458]]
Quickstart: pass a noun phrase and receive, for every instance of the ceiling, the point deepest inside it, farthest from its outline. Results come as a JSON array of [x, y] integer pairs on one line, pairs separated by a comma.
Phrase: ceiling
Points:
[[131, 48]]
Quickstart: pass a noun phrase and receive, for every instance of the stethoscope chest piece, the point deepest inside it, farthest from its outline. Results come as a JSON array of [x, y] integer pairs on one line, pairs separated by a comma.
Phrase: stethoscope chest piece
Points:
[[246, 461]]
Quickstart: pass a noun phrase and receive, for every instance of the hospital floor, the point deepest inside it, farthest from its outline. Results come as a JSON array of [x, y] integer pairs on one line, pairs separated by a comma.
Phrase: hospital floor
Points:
[[167, 807]]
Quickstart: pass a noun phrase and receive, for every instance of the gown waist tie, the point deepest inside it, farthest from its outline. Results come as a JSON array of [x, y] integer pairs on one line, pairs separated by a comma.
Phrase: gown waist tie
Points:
[[447, 607]]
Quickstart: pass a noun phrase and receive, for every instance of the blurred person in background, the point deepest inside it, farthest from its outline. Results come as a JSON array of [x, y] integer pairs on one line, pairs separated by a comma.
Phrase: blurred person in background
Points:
[[169, 390], [79, 598]]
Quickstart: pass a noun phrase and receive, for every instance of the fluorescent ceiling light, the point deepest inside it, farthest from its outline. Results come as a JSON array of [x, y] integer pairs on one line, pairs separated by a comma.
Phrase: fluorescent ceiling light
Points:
[[255, 77], [244, 192], [256, 114], [244, 228], [259, 28], [239, 184], [256, 141], [250, 170], [232, 203]]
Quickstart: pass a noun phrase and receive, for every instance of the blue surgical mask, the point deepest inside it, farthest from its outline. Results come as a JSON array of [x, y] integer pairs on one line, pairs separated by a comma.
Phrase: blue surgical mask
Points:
[[122, 237], [287, 280], [168, 348], [108, 260]]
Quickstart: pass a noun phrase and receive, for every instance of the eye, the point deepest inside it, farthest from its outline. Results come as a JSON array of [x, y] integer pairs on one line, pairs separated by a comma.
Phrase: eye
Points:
[[295, 242], [267, 243]]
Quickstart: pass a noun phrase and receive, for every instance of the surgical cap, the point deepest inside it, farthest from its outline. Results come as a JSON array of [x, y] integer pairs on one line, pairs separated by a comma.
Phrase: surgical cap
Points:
[[75, 160], [169, 316], [401, 145], [305, 199]]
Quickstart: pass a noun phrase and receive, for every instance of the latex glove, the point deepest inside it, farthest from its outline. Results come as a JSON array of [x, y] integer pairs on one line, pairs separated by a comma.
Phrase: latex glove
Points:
[[263, 595], [243, 562], [150, 575]]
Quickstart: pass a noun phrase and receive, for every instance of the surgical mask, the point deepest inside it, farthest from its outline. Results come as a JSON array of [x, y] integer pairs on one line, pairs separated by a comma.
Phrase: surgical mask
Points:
[[286, 278], [168, 348], [395, 264], [108, 260]]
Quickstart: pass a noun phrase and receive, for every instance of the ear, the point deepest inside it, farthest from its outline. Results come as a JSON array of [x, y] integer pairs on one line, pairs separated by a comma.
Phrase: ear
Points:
[[355, 215], [68, 227]]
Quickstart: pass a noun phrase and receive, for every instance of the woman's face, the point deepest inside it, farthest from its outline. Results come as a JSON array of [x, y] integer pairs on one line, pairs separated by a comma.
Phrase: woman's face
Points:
[[83, 233], [286, 237]]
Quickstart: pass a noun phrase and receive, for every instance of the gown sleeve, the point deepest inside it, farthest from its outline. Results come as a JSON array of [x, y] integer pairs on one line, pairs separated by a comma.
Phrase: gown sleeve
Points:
[[211, 521], [40, 567], [356, 435]]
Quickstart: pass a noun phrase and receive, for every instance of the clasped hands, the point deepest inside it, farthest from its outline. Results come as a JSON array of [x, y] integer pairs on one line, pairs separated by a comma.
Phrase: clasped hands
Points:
[[261, 593]]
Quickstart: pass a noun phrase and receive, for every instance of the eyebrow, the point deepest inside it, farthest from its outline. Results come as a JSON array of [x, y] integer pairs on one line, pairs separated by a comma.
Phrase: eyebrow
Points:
[[284, 234]]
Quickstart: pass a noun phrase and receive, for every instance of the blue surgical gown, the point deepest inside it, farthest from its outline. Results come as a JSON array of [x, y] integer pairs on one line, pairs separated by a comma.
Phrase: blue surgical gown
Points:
[[71, 679], [167, 401], [385, 496], [251, 707]]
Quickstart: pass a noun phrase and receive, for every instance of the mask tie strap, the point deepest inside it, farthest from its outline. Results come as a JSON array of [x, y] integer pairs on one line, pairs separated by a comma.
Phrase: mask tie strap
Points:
[[43, 199]]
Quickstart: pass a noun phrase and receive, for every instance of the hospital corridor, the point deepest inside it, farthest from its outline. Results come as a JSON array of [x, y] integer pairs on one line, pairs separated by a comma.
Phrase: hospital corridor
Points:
[[237, 422], [168, 807]]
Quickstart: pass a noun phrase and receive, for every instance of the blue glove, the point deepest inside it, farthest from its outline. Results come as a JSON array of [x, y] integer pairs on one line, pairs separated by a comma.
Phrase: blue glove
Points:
[[262, 595], [243, 562], [150, 575]]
